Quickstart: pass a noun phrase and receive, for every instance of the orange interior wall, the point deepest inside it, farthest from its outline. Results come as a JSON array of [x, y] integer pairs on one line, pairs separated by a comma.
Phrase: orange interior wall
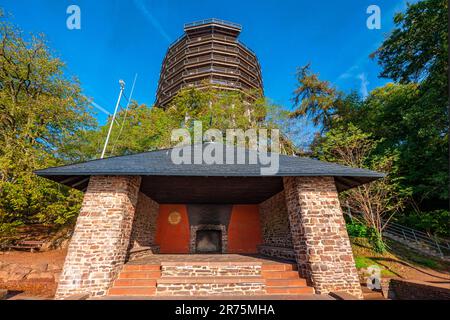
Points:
[[244, 230], [172, 238]]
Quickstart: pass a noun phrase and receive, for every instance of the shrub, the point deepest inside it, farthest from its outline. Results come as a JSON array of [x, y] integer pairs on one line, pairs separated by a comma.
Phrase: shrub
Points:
[[376, 240], [359, 230], [9, 229], [356, 230]]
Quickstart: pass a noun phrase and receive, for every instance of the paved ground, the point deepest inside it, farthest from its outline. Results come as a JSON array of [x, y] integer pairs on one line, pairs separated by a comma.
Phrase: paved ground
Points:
[[24, 259], [219, 258], [27, 258]]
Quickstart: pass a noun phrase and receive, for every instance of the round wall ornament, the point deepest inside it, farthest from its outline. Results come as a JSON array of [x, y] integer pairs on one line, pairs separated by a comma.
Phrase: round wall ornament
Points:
[[174, 217]]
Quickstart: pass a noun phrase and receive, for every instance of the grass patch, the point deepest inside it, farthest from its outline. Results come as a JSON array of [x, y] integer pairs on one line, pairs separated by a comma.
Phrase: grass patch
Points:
[[404, 253], [397, 261], [362, 262]]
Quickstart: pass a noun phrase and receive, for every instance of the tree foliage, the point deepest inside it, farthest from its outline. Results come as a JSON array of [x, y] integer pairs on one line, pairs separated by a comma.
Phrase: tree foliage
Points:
[[396, 113], [137, 129], [417, 49], [376, 202], [400, 128], [315, 98], [149, 128], [409, 116], [40, 110], [416, 54]]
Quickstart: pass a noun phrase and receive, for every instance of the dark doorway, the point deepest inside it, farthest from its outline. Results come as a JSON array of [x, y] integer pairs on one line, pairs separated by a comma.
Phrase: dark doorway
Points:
[[208, 241]]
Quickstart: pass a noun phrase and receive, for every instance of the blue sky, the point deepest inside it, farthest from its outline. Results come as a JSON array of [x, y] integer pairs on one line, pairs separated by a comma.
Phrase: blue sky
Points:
[[120, 38]]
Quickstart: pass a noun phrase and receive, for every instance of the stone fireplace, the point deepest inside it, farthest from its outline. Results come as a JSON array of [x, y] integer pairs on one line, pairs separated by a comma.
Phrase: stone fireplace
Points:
[[208, 238], [208, 241]]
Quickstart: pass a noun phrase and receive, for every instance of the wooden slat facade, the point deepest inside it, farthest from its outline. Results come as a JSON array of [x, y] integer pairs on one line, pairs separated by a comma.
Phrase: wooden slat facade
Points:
[[209, 51]]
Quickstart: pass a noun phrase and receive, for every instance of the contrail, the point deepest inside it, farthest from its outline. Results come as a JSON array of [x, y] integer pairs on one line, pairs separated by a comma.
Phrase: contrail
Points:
[[141, 6], [100, 108]]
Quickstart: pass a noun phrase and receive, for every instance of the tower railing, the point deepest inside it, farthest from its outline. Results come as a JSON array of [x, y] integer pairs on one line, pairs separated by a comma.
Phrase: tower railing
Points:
[[213, 20]]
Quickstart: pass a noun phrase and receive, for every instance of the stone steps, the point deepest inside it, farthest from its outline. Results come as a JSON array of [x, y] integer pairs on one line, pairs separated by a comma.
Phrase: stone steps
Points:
[[209, 278], [136, 280], [196, 280], [371, 294], [289, 290], [132, 291], [140, 275], [135, 283], [141, 267], [299, 282], [284, 279], [279, 267], [203, 286], [279, 274]]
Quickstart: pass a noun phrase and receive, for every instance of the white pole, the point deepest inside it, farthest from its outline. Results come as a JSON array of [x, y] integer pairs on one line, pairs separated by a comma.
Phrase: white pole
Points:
[[122, 87], [126, 112]]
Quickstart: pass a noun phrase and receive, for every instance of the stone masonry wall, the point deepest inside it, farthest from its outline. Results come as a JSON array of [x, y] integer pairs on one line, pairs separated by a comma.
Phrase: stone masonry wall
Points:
[[210, 269], [401, 289], [144, 225], [321, 244], [275, 222], [101, 238], [277, 252], [210, 289]]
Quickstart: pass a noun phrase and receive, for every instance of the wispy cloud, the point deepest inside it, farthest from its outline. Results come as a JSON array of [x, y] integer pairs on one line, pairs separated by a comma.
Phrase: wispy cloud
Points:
[[364, 83], [357, 72], [155, 23], [350, 73]]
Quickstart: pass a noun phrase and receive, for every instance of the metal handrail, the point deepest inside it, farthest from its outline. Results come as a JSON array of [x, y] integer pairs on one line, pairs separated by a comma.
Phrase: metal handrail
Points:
[[213, 20], [412, 235], [419, 232], [407, 234], [416, 236], [246, 47], [175, 42]]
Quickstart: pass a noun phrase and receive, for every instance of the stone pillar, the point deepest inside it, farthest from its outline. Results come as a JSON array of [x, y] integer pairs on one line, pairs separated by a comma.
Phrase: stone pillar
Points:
[[143, 232], [321, 243], [98, 247]]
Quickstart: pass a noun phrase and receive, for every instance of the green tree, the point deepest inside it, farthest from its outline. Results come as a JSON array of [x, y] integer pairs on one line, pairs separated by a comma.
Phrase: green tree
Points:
[[218, 108], [378, 201], [417, 49], [315, 99], [416, 53], [396, 114], [138, 129], [142, 128], [409, 115], [222, 109], [40, 110]]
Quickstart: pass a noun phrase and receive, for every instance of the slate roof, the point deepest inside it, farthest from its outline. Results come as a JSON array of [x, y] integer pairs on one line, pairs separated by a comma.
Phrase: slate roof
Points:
[[159, 163]]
